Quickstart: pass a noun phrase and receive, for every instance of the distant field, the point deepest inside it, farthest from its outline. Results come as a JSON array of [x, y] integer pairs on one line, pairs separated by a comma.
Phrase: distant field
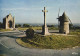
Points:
[[38, 28], [35, 28]]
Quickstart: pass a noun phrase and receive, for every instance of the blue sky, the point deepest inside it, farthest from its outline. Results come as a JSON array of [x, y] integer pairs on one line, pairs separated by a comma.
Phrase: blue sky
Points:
[[30, 11]]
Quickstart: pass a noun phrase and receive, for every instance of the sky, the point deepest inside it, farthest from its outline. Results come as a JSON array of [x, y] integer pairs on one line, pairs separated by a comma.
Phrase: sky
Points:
[[30, 11]]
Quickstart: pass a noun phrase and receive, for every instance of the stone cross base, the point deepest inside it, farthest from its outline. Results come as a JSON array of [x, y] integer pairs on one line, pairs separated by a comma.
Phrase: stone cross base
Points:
[[45, 30]]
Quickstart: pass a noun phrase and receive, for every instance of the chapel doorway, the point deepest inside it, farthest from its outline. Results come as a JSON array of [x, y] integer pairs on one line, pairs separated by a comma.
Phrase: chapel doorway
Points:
[[10, 24]]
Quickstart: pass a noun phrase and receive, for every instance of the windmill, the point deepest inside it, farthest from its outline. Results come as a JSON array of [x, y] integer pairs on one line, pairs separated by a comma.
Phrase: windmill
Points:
[[59, 19]]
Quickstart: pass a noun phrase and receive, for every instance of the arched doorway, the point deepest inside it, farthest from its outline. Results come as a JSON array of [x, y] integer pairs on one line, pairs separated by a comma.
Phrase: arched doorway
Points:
[[10, 24]]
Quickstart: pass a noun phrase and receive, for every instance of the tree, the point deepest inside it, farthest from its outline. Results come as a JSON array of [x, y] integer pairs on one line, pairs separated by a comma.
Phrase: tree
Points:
[[30, 33], [71, 26], [1, 25], [18, 25], [50, 25], [26, 25]]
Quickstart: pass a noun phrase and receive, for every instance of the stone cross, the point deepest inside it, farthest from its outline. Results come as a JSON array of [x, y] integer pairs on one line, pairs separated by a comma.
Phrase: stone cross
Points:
[[44, 16], [44, 27]]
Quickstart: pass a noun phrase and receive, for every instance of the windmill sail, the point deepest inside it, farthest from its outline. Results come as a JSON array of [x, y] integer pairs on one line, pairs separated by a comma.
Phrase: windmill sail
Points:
[[58, 12], [58, 17]]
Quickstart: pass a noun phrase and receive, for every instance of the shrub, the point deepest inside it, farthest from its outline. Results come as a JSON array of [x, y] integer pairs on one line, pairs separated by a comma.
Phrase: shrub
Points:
[[29, 33]]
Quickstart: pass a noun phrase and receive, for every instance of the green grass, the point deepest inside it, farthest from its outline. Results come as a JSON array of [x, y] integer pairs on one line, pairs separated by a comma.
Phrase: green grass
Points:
[[75, 32], [22, 28], [2, 55], [52, 28], [34, 28], [50, 42], [2, 30], [37, 28]]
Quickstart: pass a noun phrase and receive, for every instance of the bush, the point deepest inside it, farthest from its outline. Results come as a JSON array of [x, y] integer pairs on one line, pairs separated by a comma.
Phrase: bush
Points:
[[29, 33]]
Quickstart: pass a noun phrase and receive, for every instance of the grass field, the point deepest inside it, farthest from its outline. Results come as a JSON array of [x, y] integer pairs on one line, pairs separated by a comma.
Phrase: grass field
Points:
[[51, 42]]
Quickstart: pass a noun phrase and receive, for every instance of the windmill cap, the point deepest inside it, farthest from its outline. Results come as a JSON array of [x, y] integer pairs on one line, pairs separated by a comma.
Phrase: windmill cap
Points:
[[65, 17]]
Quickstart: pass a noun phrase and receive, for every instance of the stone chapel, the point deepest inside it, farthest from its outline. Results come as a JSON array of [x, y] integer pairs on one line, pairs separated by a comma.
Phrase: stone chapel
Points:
[[9, 22]]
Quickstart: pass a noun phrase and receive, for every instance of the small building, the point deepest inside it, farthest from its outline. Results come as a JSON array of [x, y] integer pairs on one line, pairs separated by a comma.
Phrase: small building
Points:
[[63, 24], [9, 22]]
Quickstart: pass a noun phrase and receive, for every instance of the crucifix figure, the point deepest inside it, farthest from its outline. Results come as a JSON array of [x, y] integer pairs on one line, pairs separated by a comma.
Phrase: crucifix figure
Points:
[[44, 28]]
